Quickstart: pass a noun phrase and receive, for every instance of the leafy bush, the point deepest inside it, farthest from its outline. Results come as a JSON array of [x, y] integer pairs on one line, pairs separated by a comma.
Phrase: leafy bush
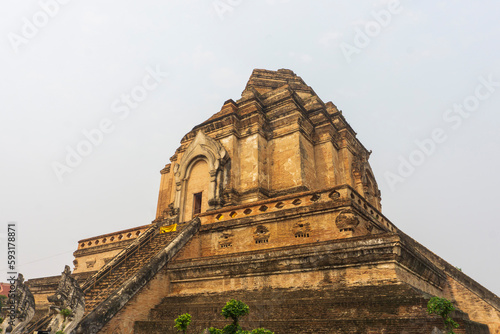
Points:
[[65, 313], [443, 307], [235, 309], [213, 330], [182, 322], [261, 331]]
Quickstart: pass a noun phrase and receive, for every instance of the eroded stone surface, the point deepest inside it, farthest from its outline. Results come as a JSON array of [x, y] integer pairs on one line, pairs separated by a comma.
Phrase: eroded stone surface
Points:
[[291, 223]]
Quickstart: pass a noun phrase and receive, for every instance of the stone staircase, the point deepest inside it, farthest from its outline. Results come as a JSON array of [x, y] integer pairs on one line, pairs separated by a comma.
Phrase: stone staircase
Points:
[[128, 271], [102, 286]]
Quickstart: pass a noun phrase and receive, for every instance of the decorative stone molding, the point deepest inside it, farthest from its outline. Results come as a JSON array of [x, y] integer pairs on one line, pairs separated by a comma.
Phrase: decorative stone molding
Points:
[[166, 169], [261, 234], [226, 240], [90, 263], [209, 150], [369, 228], [170, 211], [301, 230], [347, 221], [363, 176], [68, 296]]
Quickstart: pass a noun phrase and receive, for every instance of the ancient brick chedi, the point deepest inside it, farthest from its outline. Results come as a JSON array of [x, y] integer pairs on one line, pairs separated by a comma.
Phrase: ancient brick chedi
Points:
[[275, 204]]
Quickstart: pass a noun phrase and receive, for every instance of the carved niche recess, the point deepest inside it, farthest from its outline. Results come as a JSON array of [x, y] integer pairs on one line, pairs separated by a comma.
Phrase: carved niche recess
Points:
[[261, 234], [226, 240], [201, 148], [301, 230], [347, 221]]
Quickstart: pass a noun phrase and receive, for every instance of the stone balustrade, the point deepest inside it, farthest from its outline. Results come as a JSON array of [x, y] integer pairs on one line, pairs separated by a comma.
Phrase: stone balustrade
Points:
[[338, 194], [114, 237]]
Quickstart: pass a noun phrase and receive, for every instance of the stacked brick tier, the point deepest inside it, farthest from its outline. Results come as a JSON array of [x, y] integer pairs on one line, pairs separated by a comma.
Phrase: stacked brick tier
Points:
[[396, 308]]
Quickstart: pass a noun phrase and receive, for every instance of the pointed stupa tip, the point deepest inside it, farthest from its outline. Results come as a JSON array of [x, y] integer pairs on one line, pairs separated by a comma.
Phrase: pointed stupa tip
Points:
[[263, 81]]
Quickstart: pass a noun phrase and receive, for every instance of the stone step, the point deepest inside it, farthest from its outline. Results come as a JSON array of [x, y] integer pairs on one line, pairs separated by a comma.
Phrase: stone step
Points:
[[114, 279]]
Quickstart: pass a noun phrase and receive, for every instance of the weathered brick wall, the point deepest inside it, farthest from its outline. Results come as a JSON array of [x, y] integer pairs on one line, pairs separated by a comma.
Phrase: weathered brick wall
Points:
[[317, 227], [481, 305], [285, 140], [364, 309], [138, 307], [478, 309]]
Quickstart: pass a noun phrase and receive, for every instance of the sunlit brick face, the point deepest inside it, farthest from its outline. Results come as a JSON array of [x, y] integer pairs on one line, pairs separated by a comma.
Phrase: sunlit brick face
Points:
[[196, 200]]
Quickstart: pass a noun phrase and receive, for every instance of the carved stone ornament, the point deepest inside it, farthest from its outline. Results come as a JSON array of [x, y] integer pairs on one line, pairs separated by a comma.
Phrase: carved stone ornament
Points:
[[214, 154], [68, 296], [301, 229], [90, 263], [261, 234], [24, 308], [369, 228], [171, 211], [347, 220], [226, 240]]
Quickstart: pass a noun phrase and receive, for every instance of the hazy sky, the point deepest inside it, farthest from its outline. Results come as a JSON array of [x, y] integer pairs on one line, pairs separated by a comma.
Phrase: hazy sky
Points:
[[420, 83]]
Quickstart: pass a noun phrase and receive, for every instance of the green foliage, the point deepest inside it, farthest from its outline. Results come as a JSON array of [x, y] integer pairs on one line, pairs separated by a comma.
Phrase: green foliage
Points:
[[231, 329], [182, 322], [59, 332], [443, 307], [235, 309], [261, 331], [65, 313], [3, 301]]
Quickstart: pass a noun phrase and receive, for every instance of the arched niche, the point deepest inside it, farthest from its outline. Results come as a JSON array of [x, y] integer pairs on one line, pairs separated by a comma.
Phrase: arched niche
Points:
[[207, 150]]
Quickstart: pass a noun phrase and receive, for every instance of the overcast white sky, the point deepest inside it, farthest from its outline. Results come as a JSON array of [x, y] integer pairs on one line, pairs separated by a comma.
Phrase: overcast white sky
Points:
[[396, 86]]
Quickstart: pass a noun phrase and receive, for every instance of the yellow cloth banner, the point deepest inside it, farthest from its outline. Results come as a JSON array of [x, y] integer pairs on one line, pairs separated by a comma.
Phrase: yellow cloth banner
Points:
[[168, 229]]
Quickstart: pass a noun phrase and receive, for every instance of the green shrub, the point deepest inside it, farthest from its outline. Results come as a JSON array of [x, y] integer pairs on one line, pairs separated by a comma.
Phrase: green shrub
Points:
[[235, 309], [65, 313], [261, 331], [182, 322], [443, 307]]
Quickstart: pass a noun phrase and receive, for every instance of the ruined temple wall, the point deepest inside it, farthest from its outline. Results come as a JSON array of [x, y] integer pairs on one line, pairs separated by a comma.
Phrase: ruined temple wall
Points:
[[229, 277], [469, 296], [247, 234], [165, 192], [469, 301], [249, 167], [97, 260], [138, 307], [93, 253], [314, 280], [263, 159], [286, 171], [232, 146], [325, 157], [349, 262]]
